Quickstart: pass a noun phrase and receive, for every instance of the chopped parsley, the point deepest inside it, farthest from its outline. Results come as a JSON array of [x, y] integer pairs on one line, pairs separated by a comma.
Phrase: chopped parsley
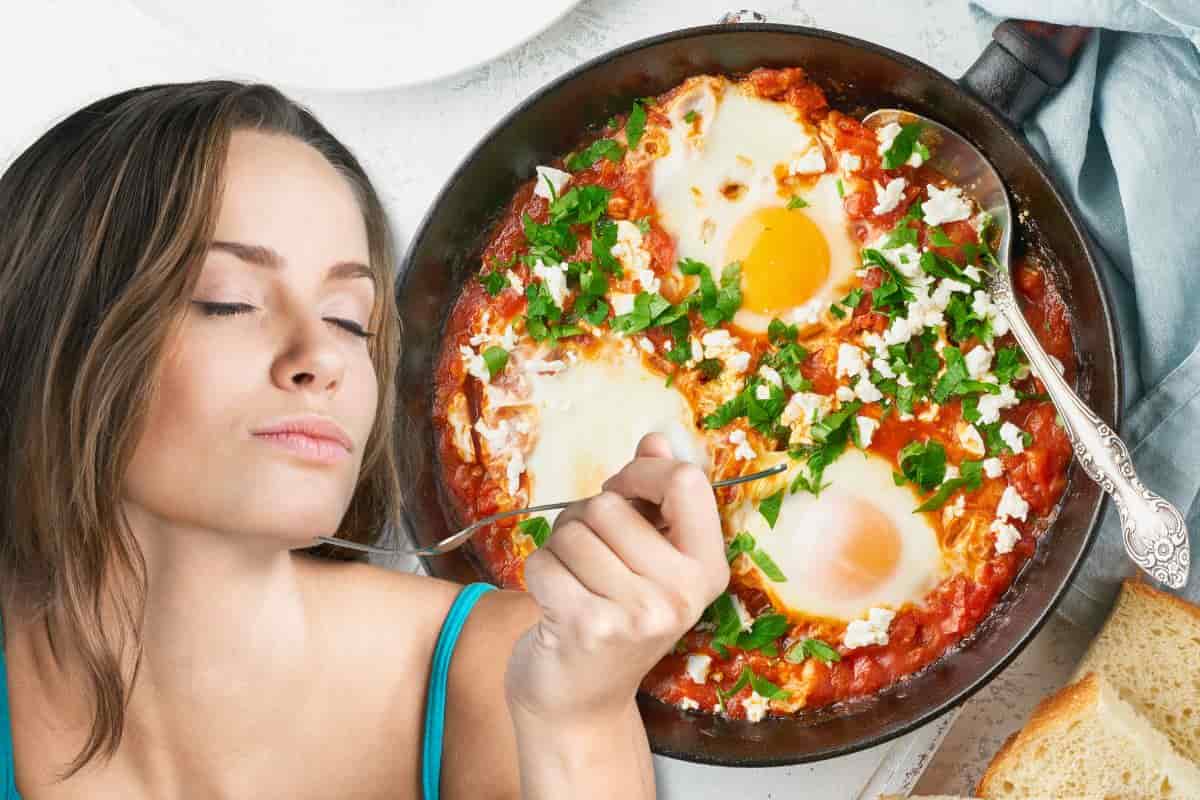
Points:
[[494, 282], [831, 434], [840, 188], [939, 238], [690, 116], [903, 145], [811, 648], [769, 508], [970, 478], [717, 304], [601, 148], [797, 202], [495, 358], [779, 332], [581, 204], [710, 368], [922, 463], [743, 542], [635, 126], [648, 307], [537, 528], [1009, 362], [759, 684]]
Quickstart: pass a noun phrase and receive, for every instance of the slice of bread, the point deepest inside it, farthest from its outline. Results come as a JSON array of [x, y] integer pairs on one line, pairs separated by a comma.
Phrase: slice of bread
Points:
[[1149, 651], [1086, 740]]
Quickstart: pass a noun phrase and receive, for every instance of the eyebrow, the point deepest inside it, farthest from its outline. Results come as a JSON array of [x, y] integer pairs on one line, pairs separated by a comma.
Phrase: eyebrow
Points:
[[263, 256]]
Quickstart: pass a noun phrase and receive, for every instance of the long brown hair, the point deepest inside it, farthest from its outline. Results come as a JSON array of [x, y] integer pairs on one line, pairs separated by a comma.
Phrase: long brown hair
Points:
[[104, 222]]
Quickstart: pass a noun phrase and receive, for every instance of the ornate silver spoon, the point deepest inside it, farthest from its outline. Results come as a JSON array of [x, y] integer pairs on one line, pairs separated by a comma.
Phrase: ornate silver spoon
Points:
[[1155, 535]]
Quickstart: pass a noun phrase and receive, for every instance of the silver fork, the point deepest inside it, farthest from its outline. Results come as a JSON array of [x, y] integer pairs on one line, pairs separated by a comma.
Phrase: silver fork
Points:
[[456, 540], [1156, 538]]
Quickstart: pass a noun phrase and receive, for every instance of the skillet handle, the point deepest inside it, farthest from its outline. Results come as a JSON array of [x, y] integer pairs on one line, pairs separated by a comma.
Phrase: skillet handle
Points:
[[1024, 62]]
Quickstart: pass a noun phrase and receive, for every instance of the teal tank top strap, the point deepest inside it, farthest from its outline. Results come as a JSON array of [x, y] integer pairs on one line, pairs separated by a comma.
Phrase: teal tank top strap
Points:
[[8, 776], [435, 699]]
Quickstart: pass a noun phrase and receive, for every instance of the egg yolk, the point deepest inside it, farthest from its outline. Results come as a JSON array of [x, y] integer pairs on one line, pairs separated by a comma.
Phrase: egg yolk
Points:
[[859, 548], [784, 258]]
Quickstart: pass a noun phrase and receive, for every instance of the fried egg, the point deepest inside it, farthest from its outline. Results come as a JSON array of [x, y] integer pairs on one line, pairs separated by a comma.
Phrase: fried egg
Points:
[[855, 546], [724, 175], [590, 416]]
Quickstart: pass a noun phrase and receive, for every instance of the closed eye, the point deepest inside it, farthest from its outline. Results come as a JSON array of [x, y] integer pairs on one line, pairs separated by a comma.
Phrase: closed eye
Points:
[[228, 309]]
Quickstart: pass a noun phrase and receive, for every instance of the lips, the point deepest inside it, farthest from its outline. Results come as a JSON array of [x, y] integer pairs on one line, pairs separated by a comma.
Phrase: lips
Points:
[[314, 436]]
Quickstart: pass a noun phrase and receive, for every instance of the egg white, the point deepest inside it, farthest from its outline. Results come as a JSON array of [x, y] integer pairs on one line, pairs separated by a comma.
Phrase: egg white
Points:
[[806, 521], [740, 140], [590, 417]]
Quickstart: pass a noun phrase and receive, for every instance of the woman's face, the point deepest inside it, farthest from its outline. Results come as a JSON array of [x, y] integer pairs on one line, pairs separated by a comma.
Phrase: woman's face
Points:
[[268, 338]]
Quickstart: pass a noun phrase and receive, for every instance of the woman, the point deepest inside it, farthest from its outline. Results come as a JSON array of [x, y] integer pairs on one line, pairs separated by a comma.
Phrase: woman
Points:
[[199, 343]]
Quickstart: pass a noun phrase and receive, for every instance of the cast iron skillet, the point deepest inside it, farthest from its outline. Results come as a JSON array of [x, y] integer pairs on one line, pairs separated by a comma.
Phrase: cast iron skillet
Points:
[[994, 95]]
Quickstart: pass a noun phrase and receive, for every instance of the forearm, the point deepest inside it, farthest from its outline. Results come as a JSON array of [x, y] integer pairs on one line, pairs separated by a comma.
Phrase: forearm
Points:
[[596, 759]]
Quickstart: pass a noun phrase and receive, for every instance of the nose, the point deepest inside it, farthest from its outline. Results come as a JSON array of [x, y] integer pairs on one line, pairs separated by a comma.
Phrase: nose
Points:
[[311, 359]]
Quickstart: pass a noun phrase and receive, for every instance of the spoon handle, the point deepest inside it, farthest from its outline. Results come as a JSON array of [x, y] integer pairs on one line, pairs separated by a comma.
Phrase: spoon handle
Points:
[[1155, 535]]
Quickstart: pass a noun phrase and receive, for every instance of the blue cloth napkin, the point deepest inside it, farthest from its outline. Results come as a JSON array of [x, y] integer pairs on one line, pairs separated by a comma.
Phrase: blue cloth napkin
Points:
[[1123, 138]]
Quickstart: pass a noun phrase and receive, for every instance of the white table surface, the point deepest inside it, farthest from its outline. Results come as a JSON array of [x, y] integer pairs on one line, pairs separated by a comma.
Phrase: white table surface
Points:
[[58, 55]]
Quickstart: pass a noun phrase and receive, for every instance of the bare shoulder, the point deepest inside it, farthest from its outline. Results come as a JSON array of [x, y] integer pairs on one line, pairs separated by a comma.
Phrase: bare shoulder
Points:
[[478, 726]]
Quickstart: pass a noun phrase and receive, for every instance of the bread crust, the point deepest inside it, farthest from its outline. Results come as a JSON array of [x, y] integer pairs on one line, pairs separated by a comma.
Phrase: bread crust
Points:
[[1059, 708]]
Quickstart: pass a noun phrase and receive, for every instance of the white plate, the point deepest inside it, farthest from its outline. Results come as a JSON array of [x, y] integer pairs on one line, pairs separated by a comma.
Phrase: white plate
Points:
[[356, 44]]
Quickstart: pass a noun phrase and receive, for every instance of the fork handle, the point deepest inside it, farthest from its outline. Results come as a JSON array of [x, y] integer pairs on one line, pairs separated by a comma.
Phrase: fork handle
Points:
[[1153, 530]]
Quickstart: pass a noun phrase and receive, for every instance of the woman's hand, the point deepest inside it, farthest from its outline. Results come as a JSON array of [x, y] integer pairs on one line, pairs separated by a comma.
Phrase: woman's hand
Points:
[[616, 592]]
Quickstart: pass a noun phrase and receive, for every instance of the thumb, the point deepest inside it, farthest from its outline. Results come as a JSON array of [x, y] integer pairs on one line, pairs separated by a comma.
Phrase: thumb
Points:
[[654, 445]]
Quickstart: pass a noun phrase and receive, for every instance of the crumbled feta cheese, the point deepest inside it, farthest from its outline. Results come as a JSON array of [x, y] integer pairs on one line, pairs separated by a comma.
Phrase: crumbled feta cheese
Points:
[[629, 249], [978, 360], [770, 375], [804, 406], [849, 360], [915, 159], [806, 314], [849, 162], [945, 205], [948, 286], [1011, 435], [844, 394], [556, 178], [697, 349], [755, 706], [1006, 535], [513, 470], [930, 412], [648, 280], [970, 439], [555, 278], [904, 380], [867, 391], [1012, 505], [899, 332], [951, 472], [738, 361], [984, 307], [809, 162], [697, 667], [622, 302], [716, 341], [906, 259], [688, 704], [646, 345], [744, 617], [974, 273], [474, 364], [875, 341], [743, 452], [872, 630], [883, 367], [955, 509], [866, 429], [888, 197], [515, 282], [762, 392], [990, 405], [993, 467], [886, 136]]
